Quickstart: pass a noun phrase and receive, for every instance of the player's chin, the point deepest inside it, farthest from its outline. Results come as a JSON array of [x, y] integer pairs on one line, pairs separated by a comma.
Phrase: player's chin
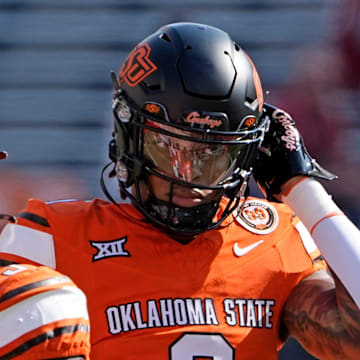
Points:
[[195, 198]]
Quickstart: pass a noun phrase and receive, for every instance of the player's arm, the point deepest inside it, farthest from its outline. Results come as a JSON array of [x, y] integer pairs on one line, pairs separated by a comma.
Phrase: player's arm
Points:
[[322, 312], [322, 316], [30, 239]]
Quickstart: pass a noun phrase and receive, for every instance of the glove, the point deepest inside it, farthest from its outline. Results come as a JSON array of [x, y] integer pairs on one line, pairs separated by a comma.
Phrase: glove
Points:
[[283, 155]]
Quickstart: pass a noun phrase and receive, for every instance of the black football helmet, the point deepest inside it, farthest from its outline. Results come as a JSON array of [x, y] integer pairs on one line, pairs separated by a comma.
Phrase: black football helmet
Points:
[[187, 108]]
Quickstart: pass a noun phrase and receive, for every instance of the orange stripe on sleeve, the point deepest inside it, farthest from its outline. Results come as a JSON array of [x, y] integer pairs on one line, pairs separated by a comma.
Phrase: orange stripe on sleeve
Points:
[[334, 213]]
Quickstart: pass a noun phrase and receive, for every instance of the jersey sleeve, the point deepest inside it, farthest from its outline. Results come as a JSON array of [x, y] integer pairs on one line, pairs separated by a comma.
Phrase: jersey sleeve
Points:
[[46, 312], [299, 254], [30, 239]]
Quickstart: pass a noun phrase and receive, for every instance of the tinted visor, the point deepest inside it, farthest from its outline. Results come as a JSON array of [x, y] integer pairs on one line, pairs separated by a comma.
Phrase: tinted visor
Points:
[[181, 154]]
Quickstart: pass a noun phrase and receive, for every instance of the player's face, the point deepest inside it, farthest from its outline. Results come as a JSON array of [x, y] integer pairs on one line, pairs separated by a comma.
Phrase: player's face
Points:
[[184, 157], [182, 196]]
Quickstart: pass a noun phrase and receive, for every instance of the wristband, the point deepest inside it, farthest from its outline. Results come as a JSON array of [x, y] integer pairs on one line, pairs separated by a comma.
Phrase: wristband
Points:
[[337, 238]]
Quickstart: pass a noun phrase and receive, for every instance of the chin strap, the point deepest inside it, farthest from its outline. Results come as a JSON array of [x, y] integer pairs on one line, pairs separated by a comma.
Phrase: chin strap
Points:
[[106, 192]]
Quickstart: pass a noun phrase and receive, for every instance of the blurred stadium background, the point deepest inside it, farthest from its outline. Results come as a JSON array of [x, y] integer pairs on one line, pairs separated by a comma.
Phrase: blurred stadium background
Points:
[[55, 88]]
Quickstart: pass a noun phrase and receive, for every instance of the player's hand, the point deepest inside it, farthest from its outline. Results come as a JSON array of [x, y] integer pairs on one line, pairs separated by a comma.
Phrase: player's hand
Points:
[[283, 155]]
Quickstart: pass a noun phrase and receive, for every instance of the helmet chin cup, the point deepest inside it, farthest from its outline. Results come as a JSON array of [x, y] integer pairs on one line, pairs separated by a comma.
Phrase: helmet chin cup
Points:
[[177, 221]]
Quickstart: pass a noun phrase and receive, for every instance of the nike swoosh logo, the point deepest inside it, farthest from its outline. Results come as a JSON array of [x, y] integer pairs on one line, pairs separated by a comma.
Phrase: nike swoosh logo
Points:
[[238, 251]]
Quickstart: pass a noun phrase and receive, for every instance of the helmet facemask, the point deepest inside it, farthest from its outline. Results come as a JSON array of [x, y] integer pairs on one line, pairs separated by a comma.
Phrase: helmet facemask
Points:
[[188, 158]]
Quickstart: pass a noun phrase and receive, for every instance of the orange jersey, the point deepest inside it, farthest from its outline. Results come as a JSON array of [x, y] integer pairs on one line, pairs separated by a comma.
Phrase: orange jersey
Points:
[[42, 315], [151, 297]]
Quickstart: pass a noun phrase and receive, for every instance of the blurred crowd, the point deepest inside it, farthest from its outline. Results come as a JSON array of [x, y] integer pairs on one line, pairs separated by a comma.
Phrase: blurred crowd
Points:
[[322, 94], [18, 185]]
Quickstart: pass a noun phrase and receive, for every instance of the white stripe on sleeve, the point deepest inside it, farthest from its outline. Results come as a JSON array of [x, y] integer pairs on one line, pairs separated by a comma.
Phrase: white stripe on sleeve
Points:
[[29, 243], [306, 238], [66, 303]]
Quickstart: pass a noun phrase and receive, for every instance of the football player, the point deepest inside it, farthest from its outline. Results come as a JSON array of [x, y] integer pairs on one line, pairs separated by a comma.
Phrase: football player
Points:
[[43, 314], [194, 268]]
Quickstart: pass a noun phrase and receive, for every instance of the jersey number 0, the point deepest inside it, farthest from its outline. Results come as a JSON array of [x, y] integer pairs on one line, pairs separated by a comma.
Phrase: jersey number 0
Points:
[[191, 346]]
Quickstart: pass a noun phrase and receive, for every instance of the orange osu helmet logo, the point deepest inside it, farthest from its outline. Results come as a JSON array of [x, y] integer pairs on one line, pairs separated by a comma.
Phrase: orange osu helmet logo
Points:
[[137, 66], [152, 108], [250, 121]]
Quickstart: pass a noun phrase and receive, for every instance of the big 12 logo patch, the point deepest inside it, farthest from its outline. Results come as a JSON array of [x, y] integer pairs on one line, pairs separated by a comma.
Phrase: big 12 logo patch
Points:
[[137, 66]]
